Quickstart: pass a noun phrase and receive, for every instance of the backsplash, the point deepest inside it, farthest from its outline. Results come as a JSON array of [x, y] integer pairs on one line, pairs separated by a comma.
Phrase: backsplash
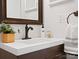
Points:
[[35, 33]]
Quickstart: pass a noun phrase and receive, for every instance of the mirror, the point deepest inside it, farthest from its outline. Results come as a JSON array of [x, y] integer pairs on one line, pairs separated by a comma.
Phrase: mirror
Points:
[[23, 11]]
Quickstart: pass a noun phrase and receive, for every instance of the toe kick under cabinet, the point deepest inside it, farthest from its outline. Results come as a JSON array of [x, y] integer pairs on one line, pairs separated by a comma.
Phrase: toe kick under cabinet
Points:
[[50, 53]]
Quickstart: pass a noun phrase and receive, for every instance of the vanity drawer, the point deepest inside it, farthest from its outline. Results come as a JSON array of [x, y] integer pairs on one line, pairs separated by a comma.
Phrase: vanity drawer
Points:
[[49, 53], [33, 55]]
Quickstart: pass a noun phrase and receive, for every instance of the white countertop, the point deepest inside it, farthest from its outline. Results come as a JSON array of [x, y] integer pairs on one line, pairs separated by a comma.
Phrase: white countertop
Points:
[[20, 47]]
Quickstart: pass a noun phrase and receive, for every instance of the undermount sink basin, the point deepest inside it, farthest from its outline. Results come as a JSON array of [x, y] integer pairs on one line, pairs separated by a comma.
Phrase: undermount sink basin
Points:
[[20, 47]]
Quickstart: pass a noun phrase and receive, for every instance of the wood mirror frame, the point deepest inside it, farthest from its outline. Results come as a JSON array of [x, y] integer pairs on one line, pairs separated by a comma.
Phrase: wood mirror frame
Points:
[[3, 15]]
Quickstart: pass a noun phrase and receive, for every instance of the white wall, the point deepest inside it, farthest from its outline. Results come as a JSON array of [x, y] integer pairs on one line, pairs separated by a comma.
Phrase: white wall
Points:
[[54, 20], [55, 17]]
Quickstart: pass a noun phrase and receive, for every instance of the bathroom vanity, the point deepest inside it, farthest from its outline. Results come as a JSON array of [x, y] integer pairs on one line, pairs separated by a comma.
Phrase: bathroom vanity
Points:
[[33, 49]]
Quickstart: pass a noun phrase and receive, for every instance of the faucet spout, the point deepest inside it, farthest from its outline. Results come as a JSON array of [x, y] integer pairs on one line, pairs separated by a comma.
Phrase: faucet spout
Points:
[[30, 28], [27, 31]]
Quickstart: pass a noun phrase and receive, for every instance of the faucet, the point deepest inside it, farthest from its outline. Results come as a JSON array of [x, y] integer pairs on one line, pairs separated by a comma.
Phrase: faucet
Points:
[[26, 32]]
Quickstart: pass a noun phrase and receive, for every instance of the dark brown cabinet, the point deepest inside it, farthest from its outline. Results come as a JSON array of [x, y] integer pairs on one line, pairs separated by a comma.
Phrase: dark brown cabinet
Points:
[[35, 55], [55, 52], [50, 53]]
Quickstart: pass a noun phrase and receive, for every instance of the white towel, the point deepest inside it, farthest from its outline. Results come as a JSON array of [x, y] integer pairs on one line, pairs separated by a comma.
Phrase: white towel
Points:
[[72, 31], [71, 42]]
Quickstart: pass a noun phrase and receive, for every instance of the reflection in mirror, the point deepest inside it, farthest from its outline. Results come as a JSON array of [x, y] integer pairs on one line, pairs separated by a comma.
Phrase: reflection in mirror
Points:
[[22, 9]]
